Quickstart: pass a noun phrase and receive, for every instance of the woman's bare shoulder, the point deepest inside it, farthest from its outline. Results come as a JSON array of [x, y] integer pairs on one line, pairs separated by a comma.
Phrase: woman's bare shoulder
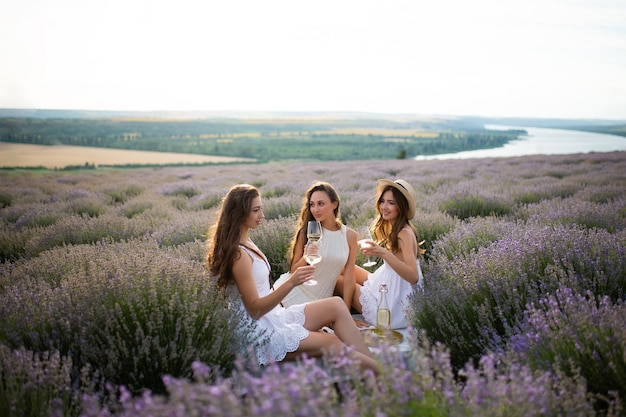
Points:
[[407, 233]]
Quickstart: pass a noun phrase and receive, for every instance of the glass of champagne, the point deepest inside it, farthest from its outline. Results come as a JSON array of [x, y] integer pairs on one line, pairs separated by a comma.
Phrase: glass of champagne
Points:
[[365, 235], [314, 231], [312, 257]]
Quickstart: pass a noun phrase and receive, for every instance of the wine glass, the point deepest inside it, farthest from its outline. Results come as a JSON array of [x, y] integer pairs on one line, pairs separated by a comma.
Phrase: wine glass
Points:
[[365, 235], [312, 257], [314, 231]]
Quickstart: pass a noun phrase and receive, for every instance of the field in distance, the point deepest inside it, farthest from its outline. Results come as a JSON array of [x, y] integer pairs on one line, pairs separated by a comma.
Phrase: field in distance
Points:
[[61, 156], [264, 140], [281, 138]]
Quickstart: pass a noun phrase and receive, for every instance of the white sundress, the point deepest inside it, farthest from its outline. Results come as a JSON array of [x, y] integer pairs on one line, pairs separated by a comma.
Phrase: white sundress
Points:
[[335, 251], [398, 291], [281, 328]]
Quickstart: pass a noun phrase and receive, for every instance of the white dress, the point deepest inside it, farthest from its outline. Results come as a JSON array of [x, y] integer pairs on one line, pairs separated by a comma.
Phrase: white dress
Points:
[[398, 291], [281, 329], [335, 251]]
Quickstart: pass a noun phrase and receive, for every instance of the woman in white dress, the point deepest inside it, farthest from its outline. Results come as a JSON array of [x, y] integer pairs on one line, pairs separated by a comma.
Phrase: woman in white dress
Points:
[[338, 248], [243, 270], [395, 242]]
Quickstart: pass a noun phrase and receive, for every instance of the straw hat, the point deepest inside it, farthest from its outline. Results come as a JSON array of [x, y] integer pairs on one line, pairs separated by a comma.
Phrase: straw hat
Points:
[[405, 188]]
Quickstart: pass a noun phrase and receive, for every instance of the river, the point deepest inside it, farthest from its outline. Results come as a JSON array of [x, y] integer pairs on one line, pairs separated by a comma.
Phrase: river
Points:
[[542, 141]]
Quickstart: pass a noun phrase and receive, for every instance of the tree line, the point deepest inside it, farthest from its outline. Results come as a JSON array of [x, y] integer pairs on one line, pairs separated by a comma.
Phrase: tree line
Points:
[[275, 140]]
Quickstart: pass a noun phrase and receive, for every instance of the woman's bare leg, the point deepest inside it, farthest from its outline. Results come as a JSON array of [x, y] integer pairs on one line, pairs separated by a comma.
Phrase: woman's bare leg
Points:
[[333, 310], [356, 303], [318, 343], [360, 275], [339, 285]]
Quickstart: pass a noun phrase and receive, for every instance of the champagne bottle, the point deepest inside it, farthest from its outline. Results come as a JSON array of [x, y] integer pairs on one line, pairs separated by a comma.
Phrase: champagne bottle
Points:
[[383, 314]]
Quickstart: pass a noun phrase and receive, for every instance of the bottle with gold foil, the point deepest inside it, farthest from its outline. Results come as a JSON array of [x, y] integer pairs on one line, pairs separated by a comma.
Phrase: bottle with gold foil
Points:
[[383, 314]]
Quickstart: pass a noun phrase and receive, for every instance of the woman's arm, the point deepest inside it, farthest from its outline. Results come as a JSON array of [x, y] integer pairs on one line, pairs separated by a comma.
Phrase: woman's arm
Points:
[[349, 269], [298, 252], [405, 261], [257, 306]]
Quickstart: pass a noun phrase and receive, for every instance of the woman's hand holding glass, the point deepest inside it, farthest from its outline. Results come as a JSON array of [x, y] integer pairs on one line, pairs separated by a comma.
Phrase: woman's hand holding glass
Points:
[[366, 242], [302, 275]]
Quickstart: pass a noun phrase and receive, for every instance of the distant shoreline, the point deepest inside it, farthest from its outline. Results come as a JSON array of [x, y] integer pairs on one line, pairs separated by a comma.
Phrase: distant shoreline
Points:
[[542, 141]]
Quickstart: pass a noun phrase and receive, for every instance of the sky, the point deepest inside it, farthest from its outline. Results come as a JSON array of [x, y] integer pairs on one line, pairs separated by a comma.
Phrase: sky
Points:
[[492, 58]]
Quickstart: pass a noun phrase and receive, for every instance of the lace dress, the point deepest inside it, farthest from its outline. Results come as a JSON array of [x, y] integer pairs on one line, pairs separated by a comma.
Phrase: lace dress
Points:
[[281, 328], [398, 292], [335, 251]]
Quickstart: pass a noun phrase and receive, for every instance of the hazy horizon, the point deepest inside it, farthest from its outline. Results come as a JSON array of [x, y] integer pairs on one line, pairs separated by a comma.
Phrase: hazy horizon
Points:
[[533, 59]]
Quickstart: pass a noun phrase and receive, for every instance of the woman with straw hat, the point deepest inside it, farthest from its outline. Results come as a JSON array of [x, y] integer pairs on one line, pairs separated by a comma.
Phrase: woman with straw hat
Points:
[[395, 242], [243, 272]]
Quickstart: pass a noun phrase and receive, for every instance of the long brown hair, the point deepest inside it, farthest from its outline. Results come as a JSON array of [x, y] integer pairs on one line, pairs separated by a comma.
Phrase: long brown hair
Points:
[[224, 235], [386, 234], [305, 211]]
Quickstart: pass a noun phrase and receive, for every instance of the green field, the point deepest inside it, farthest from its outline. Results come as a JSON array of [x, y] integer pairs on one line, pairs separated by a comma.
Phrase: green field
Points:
[[265, 140]]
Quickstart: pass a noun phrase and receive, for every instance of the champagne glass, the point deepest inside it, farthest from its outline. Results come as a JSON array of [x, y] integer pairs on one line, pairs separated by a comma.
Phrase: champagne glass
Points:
[[312, 257], [314, 231], [365, 235]]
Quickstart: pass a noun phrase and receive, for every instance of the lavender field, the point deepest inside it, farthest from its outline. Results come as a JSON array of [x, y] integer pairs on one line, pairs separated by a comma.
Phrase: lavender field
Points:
[[106, 307]]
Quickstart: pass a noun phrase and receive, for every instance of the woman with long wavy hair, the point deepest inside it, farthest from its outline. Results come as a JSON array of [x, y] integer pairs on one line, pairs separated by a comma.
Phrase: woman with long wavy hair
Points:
[[338, 248], [242, 269], [395, 242]]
